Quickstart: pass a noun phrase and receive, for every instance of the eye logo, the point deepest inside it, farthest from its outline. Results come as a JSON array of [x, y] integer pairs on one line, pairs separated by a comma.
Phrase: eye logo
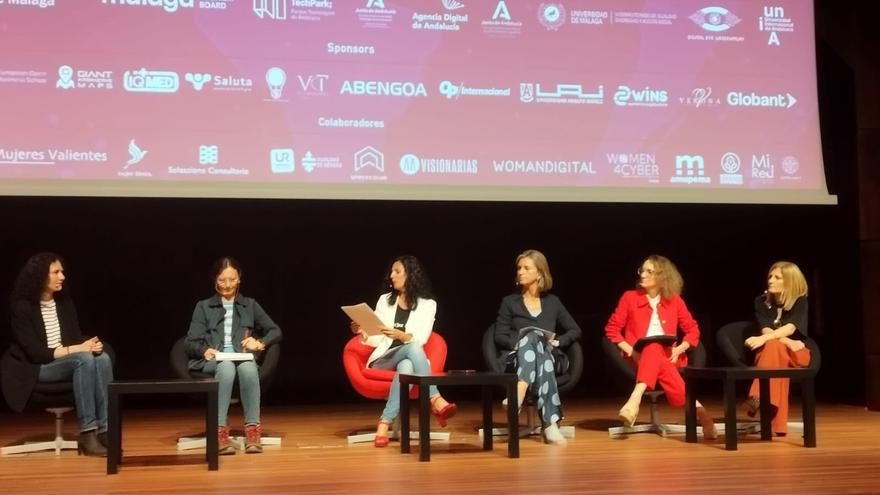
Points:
[[715, 19]]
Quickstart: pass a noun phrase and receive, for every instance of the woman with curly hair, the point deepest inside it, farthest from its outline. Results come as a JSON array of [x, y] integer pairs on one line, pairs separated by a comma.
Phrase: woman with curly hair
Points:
[[655, 309], [48, 347], [407, 313]]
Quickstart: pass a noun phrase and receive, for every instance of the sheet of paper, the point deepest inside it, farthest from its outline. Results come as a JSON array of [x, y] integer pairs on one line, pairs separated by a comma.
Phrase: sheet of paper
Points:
[[234, 356], [363, 315]]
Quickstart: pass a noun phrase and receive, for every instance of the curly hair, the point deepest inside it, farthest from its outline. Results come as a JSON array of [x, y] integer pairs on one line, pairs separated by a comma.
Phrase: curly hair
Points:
[[669, 280], [417, 284], [31, 279]]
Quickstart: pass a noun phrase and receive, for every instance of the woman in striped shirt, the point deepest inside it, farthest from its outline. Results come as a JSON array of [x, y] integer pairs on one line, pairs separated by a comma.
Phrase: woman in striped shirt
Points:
[[48, 347]]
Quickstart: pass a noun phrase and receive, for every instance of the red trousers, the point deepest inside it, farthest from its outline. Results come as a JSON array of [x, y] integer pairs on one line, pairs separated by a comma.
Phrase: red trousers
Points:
[[775, 354], [653, 366]]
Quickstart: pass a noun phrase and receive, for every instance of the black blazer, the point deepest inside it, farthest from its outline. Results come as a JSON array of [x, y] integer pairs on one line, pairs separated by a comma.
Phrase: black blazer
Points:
[[20, 365], [513, 315]]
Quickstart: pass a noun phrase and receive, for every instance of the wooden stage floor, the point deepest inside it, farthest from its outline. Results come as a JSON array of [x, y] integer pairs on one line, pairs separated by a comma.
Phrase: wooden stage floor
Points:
[[315, 458]]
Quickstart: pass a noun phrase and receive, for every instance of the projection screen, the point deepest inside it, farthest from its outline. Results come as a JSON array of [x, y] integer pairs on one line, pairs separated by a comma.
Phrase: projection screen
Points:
[[576, 100]]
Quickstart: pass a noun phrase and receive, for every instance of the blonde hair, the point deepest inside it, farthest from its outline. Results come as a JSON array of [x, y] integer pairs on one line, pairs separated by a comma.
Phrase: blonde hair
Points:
[[667, 276], [794, 285], [545, 280]]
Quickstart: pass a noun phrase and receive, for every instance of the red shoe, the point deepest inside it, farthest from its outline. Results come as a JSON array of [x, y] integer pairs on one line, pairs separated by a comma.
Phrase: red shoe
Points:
[[223, 446], [381, 440], [444, 414]]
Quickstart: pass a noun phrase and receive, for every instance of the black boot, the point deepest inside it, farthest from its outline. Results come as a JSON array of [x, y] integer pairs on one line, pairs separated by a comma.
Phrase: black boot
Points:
[[88, 444], [102, 438]]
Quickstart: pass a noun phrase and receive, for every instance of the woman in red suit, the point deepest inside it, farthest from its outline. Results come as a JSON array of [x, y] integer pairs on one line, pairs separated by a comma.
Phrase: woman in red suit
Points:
[[655, 308]]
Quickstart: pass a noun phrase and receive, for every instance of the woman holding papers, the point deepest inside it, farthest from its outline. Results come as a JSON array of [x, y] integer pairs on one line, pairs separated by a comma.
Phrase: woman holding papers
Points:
[[230, 322], [407, 313], [781, 314], [48, 346], [643, 318], [525, 320]]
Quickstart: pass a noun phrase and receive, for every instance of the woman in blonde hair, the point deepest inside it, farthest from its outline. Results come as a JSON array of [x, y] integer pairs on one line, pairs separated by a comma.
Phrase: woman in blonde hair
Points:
[[520, 316], [654, 309], [781, 314]]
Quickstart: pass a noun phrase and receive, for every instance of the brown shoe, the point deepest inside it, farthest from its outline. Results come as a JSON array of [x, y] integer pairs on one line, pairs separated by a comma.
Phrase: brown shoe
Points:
[[223, 447], [708, 424], [252, 443]]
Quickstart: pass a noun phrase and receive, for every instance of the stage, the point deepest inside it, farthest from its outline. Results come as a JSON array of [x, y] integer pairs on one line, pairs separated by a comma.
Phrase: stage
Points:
[[316, 458]]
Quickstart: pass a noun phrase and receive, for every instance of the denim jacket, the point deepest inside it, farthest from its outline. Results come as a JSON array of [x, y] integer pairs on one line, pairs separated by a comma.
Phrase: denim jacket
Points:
[[206, 329]]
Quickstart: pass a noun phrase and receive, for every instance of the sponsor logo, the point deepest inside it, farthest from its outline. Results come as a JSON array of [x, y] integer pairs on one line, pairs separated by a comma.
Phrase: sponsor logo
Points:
[[17, 76], [135, 154], [313, 84], [644, 18], [282, 160], [68, 78], [561, 93], [440, 21], [209, 154], [635, 166], [42, 4], [169, 6], [338, 49], [369, 165], [647, 97], [790, 165], [547, 167], [218, 82], [715, 19], [17, 156], [762, 167], [311, 162], [774, 22], [740, 99], [299, 10], [411, 164], [375, 15], [551, 15], [150, 81], [383, 88], [276, 78], [455, 91], [588, 17], [690, 169], [730, 166], [501, 24], [700, 98]]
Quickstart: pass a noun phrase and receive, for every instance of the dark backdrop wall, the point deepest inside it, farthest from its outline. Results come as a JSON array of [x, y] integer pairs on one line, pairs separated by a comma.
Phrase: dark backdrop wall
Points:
[[136, 267]]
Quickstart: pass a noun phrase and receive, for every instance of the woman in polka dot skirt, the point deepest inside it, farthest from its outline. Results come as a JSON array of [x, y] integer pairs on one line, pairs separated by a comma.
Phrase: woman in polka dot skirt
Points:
[[521, 319]]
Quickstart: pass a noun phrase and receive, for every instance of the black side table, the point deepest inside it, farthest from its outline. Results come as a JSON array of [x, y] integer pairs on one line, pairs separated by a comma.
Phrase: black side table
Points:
[[729, 376], [483, 379], [120, 388]]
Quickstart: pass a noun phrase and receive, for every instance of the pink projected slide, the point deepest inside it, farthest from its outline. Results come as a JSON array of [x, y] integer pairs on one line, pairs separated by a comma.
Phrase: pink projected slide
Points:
[[590, 94]]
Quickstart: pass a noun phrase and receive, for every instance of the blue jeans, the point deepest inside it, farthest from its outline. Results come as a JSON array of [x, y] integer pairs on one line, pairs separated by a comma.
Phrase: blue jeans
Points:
[[248, 385], [90, 375], [407, 358]]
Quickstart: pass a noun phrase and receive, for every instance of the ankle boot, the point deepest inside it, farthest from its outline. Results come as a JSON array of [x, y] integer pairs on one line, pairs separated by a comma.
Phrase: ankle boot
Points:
[[223, 447], [88, 444], [102, 438], [252, 443]]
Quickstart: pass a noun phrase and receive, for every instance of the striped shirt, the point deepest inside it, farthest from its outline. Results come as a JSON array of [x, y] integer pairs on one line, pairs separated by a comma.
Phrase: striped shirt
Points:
[[50, 321], [227, 326]]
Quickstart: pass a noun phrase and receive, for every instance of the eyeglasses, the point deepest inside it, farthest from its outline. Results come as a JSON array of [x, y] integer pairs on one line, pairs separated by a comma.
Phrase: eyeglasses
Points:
[[640, 271], [227, 281]]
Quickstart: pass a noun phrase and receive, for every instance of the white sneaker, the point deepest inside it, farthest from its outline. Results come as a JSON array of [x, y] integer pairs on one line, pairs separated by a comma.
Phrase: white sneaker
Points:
[[553, 435]]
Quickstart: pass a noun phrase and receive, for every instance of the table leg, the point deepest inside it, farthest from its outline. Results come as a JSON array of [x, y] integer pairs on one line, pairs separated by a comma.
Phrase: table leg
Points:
[[766, 415], [729, 414], [487, 417], [424, 423], [512, 421], [211, 422], [808, 397], [404, 418], [114, 437], [690, 412]]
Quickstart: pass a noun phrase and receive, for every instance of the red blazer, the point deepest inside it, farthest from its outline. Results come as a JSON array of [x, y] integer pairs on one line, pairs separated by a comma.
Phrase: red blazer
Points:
[[630, 320]]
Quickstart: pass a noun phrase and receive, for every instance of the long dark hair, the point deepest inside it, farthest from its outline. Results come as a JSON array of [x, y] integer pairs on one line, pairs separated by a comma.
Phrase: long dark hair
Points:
[[417, 283], [31, 279]]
